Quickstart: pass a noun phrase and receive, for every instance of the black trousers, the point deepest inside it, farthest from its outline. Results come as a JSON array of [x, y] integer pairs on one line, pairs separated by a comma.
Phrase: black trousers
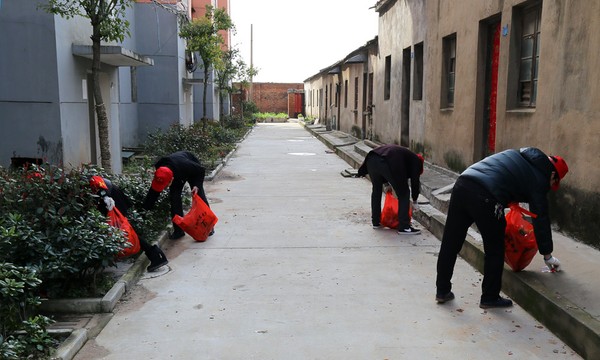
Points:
[[175, 191], [471, 203], [379, 172]]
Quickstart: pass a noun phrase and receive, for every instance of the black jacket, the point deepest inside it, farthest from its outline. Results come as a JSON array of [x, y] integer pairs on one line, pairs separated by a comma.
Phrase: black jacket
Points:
[[519, 176], [403, 163], [186, 168]]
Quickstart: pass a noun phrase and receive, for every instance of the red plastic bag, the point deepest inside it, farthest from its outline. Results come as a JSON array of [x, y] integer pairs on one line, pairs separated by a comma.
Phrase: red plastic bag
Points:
[[199, 221], [389, 213], [118, 220], [520, 245]]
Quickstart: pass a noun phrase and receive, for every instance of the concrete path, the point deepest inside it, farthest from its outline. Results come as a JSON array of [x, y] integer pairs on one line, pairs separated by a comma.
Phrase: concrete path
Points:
[[295, 271]]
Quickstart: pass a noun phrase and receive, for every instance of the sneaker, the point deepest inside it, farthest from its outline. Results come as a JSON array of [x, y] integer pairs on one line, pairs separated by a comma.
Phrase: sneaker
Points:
[[498, 303], [442, 298], [377, 226], [157, 258], [176, 235], [409, 231], [212, 232]]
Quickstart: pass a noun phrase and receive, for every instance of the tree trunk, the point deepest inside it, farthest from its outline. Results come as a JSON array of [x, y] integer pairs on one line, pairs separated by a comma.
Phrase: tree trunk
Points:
[[99, 106], [205, 84], [221, 108]]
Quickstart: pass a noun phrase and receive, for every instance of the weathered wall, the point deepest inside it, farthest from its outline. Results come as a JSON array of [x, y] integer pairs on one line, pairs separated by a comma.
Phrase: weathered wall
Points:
[[272, 97], [564, 120], [400, 28]]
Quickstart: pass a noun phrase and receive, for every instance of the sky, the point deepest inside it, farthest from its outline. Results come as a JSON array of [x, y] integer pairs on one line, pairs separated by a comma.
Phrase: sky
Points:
[[293, 40]]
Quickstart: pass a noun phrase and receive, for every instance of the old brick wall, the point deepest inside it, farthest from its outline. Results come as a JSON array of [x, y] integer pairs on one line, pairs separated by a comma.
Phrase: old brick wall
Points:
[[273, 97]]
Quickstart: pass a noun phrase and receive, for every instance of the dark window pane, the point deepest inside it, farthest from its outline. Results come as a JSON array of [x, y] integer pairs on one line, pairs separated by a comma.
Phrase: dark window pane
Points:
[[534, 93], [529, 23], [450, 97], [527, 47], [525, 69]]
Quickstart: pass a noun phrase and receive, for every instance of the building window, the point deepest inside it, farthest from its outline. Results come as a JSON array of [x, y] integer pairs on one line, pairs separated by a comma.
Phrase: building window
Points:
[[529, 58], [356, 93], [448, 70], [418, 72], [134, 93], [370, 95], [388, 74], [321, 97], [345, 93]]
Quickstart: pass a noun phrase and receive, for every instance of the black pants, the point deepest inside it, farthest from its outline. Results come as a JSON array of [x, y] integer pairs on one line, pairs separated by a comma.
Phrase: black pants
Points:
[[379, 172], [175, 191], [469, 203]]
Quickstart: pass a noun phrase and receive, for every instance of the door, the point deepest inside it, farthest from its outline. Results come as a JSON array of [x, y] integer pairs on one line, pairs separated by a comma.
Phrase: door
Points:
[[491, 85], [405, 101]]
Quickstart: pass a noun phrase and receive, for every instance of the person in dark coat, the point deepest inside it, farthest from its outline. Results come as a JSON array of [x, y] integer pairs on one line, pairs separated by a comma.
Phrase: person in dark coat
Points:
[[111, 196], [479, 196], [174, 171], [395, 165]]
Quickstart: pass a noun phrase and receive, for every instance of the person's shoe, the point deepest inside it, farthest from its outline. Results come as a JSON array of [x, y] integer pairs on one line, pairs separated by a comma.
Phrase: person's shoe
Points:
[[442, 298], [176, 235], [498, 303], [409, 231], [157, 258], [377, 226], [212, 232]]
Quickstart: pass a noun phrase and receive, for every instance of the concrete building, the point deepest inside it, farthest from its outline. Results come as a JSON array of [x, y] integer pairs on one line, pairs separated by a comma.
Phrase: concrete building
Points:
[[341, 95], [459, 80], [46, 103], [214, 107]]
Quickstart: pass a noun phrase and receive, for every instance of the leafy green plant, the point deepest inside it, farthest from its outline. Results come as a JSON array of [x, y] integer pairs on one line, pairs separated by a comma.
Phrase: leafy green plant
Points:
[[50, 223], [267, 115], [22, 335], [210, 144]]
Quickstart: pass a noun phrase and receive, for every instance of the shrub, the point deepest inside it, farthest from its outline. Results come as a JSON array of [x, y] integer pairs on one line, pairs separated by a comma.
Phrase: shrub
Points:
[[50, 223], [22, 335], [210, 143]]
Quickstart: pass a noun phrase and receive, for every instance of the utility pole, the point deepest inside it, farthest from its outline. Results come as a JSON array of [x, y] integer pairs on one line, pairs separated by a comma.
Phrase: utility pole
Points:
[[251, 60]]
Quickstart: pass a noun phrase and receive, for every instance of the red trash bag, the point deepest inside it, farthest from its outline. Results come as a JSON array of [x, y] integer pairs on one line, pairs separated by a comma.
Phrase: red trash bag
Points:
[[199, 221], [118, 220], [520, 245], [389, 213]]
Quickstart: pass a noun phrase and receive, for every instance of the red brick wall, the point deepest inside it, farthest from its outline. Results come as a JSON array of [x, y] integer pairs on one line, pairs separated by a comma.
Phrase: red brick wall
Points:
[[272, 97]]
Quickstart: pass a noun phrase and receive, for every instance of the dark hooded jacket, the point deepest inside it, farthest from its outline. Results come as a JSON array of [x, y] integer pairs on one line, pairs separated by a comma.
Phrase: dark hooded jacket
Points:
[[403, 163], [186, 168], [519, 176]]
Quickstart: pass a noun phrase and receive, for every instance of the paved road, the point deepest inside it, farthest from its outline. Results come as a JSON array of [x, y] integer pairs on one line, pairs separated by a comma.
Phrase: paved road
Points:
[[295, 271]]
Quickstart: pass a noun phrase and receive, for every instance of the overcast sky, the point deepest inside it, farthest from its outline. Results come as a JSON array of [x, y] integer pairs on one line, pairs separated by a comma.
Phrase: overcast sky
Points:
[[294, 39]]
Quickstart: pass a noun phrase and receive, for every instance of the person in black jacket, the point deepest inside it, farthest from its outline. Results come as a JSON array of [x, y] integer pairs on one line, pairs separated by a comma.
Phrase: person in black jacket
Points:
[[394, 164], [479, 196], [174, 171], [111, 196]]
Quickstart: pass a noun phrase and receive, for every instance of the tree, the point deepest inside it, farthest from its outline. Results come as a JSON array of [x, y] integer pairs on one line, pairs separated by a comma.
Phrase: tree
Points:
[[203, 36], [107, 18], [231, 67]]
